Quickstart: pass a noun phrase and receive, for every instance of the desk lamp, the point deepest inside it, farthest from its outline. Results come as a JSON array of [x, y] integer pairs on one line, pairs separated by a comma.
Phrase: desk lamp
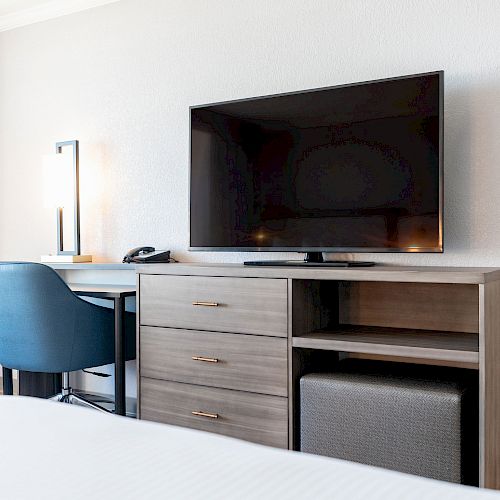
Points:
[[63, 192]]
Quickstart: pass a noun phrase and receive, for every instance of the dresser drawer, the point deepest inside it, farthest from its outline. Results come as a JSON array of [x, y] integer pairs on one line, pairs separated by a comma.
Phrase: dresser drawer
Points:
[[242, 362], [253, 417], [238, 305]]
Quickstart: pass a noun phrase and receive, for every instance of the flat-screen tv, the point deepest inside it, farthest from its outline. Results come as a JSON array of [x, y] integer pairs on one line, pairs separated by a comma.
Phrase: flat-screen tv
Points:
[[350, 168]]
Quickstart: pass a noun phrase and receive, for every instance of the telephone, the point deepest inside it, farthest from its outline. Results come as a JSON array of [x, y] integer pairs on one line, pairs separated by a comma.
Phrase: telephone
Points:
[[146, 255]]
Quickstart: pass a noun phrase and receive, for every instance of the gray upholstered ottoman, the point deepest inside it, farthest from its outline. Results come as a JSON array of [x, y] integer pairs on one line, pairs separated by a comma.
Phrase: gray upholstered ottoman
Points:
[[420, 426]]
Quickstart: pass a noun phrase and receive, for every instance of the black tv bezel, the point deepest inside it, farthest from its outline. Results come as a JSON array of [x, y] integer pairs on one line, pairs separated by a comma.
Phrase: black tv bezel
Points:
[[438, 249]]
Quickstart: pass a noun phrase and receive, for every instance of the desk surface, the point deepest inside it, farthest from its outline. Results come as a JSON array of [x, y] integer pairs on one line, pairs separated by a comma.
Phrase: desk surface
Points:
[[92, 266], [103, 291]]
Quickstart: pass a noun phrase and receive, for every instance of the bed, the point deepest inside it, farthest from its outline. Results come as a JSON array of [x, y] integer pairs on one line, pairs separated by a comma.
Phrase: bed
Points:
[[56, 451]]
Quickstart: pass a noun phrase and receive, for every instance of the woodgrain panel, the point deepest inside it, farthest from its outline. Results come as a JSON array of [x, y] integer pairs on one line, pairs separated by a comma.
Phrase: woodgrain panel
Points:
[[242, 362], [460, 347], [426, 306], [300, 319], [311, 305], [380, 272], [416, 361], [489, 385], [254, 417], [244, 305], [138, 343]]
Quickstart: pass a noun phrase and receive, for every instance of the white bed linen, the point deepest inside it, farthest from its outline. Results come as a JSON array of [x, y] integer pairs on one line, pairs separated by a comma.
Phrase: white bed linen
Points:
[[56, 451]]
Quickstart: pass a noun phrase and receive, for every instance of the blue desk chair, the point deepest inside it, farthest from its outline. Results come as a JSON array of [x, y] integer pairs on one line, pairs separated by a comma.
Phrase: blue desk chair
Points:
[[45, 327]]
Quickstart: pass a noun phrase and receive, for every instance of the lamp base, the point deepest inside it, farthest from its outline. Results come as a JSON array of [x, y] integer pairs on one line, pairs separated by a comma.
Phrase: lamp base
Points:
[[65, 259]]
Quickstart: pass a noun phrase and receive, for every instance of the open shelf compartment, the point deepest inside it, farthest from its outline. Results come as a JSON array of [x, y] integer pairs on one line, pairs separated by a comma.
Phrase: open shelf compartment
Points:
[[431, 323]]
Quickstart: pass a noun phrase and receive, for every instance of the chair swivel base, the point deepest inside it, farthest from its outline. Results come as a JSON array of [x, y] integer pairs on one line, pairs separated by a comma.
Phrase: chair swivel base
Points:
[[73, 398], [67, 395]]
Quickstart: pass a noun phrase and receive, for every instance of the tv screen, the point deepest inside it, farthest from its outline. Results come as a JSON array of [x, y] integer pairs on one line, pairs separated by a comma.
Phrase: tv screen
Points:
[[349, 168]]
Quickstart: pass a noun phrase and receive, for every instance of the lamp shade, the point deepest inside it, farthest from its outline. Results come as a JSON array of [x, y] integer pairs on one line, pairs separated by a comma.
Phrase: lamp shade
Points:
[[58, 180]]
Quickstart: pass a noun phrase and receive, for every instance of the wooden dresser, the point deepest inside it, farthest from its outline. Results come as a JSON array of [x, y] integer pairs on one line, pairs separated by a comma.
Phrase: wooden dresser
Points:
[[213, 355], [221, 348]]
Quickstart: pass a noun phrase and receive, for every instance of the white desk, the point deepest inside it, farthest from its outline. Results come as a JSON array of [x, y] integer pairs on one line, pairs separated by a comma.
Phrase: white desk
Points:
[[92, 280], [117, 293]]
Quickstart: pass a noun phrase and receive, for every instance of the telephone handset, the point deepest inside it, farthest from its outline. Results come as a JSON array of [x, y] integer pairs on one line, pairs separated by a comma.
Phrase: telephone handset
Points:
[[145, 255]]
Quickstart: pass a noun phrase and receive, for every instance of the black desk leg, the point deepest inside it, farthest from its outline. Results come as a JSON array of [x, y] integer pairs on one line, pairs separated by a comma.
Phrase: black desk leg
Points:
[[8, 386], [119, 356]]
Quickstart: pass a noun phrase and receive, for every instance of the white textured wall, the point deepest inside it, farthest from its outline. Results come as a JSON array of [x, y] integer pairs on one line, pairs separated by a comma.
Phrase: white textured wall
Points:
[[120, 79]]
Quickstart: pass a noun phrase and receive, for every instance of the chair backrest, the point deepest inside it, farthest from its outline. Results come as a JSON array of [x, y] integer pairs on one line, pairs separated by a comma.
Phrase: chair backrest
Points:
[[44, 327]]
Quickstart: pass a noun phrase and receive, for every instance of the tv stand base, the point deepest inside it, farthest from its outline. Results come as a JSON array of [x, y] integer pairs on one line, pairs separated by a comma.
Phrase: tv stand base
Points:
[[303, 263], [312, 259]]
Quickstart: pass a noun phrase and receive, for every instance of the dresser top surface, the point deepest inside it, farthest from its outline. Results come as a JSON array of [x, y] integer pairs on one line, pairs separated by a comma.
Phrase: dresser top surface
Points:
[[429, 274]]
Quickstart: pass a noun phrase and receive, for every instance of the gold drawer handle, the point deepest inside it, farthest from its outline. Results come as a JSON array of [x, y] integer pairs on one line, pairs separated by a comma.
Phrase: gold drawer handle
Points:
[[207, 304], [205, 414], [202, 358]]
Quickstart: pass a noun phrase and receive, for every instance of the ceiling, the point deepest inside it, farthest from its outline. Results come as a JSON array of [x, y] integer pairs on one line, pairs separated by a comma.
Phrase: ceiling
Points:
[[12, 6]]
